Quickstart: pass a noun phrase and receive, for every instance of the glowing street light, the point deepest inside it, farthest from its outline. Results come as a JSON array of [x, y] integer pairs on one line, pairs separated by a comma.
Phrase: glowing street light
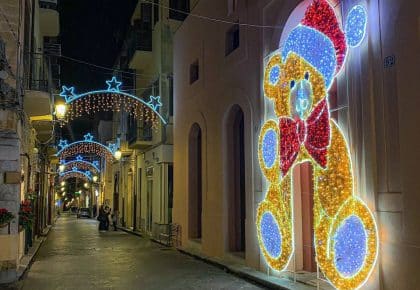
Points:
[[95, 178], [118, 154], [86, 185], [60, 111], [63, 183], [61, 167], [62, 189]]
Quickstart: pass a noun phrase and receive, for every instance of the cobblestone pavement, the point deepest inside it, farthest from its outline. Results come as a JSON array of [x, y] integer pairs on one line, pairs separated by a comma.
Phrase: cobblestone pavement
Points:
[[77, 256]]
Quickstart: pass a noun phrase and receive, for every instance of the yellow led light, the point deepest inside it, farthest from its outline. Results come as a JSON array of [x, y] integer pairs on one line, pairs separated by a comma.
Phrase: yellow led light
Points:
[[334, 198]]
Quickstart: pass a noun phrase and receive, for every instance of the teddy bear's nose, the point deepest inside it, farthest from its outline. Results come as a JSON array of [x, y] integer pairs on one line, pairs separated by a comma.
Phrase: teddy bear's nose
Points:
[[301, 99]]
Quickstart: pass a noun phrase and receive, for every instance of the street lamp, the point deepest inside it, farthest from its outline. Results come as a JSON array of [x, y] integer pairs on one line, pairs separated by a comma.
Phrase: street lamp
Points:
[[117, 154], [62, 189], [86, 185], [60, 111], [95, 178], [61, 167], [63, 183]]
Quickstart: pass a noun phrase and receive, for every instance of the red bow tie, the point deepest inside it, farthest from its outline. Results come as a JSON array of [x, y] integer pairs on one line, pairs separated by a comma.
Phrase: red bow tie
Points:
[[314, 134]]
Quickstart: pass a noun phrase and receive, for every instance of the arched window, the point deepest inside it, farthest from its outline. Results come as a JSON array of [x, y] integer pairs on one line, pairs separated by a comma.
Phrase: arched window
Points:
[[195, 192]]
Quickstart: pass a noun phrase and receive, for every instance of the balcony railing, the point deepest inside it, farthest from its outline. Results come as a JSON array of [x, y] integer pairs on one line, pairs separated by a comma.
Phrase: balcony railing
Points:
[[48, 4], [42, 72], [140, 38], [179, 9], [139, 134]]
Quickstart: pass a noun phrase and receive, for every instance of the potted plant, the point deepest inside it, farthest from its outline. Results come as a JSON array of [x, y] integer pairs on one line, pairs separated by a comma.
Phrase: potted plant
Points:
[[5, 217], [26, 215]]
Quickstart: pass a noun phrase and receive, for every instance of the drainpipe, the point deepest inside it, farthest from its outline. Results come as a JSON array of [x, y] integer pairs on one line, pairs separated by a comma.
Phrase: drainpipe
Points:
[[28, 181]]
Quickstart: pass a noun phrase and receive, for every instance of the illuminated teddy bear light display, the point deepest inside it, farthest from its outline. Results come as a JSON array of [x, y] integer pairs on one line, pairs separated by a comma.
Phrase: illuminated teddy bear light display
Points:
[[297, 79]]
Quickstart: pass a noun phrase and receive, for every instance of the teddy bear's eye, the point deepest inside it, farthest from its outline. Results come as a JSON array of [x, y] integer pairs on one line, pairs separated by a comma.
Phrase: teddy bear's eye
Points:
[[306, 75], [292, 84]]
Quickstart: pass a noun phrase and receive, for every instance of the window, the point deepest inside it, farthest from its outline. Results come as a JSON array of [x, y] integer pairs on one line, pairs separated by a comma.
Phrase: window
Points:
[[232, 4], [194, 72], [155, 12], [232, 39], [146, 12], [179, 9], [171, 96]]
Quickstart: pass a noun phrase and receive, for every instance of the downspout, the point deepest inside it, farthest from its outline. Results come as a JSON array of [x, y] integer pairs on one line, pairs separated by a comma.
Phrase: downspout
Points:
[[28, 181]]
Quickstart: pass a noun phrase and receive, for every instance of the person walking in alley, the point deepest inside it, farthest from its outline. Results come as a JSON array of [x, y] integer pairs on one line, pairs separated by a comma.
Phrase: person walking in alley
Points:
[[115, 219], [102, 218]]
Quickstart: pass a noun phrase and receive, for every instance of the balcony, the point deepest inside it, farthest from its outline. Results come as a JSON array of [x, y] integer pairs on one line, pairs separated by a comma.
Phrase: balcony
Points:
[[139, 46], [139, 137], [37, 102], [49, 18]]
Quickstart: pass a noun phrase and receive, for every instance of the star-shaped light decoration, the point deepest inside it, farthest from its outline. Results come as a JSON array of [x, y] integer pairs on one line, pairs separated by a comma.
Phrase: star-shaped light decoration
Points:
[[79, 158], [74, 168], [154, 102], [68, 93], [62, 143], [113, 85], [114, 146], [95, 163], [88, 173], [88, 137]]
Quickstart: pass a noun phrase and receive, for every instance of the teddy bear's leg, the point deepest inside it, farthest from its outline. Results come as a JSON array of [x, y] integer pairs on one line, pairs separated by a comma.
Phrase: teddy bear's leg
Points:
[[274, 226], [274, 213], [347, 244], [345, 231], [334, 184]]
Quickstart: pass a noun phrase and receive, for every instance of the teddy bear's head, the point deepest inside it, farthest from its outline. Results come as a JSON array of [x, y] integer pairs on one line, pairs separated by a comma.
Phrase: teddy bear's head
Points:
[[294, 85], [300, 73]]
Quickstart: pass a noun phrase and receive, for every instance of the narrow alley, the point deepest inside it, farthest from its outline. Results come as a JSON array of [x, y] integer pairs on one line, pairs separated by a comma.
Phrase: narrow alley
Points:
[[77, 256]]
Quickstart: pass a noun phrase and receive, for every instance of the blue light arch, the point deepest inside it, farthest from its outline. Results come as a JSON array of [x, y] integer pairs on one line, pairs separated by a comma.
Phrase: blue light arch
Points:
[[80, 163], [87, 146], [154, 103]]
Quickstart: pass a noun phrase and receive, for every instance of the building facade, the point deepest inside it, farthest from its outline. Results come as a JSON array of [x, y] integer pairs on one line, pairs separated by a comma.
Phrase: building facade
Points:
[[140, 186], [28, 30], [219, 112]]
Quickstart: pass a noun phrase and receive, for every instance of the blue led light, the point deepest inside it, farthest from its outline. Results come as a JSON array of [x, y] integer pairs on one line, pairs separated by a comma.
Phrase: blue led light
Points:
[[315, 47], [356, 25], [67, 93], [350, 246], [79, 159], [300, 97], [269, 148], [88, 138], [154, 103], [274, 75], [113, 85], [271, 235], [74, 171]]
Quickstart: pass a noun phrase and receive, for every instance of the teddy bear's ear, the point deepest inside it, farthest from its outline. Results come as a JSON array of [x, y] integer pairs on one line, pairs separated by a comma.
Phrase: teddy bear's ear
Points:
[[356, 25], [272, 73]]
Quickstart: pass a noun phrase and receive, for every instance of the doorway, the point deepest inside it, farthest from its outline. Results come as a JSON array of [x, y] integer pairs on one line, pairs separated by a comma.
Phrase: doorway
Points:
[[195, 183], [236, 180], [149, 218]]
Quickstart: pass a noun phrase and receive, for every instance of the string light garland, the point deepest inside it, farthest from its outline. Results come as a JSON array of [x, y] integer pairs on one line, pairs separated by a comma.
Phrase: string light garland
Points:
[[75, 173], [297, 80], [87, 146], [81, 164], [112, 99]]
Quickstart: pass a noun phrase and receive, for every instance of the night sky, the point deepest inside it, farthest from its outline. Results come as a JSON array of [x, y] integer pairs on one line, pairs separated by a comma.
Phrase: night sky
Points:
[[92, 31]]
